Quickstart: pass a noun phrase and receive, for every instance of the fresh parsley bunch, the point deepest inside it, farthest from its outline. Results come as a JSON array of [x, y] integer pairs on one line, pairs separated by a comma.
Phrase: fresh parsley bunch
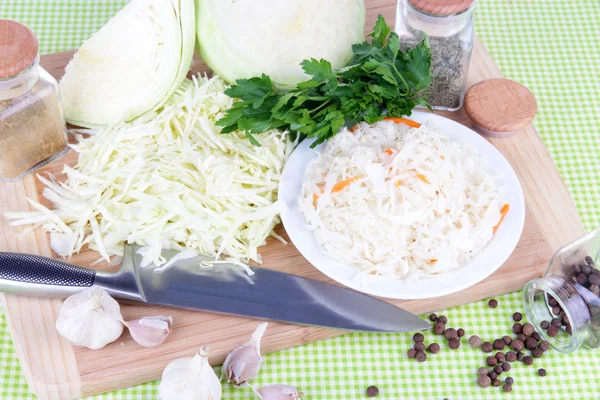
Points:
[[380, 81]]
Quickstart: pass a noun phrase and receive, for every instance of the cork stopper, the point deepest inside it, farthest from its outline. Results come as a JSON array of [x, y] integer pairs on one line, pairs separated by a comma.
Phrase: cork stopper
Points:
[[18, 46], [442, 7], [499, 107]]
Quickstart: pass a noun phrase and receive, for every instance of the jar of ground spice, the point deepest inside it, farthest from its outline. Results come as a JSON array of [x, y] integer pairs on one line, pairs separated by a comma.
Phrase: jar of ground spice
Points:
[[32, 127], [449, 25], [565, 304]]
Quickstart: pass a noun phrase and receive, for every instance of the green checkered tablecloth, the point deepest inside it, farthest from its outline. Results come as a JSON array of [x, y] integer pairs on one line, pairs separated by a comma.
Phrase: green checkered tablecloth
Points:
[[552, 47]]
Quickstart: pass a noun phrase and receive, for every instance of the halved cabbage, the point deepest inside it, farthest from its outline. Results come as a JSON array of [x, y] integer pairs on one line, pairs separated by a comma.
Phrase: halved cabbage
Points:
[[245, 38], [131, 65]]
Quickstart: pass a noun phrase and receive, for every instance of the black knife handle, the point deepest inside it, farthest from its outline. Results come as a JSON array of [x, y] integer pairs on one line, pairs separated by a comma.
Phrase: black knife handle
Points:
[[44, 276]]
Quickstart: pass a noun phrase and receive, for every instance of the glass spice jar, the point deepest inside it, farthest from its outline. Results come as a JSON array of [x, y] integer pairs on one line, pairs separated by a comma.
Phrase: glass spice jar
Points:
[[564, 305], [32, 128], [449, 25]]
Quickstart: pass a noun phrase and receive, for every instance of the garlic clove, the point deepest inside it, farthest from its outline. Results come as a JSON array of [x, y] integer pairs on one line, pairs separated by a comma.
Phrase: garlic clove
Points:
[[90, 318], [150, 331], [278, 392], [190, 378], [243, 363]]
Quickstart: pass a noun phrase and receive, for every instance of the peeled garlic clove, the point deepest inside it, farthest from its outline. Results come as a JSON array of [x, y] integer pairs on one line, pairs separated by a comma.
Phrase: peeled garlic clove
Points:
[[243, 363], [190, 378], [90, 318], [278, 392], [150, 331]]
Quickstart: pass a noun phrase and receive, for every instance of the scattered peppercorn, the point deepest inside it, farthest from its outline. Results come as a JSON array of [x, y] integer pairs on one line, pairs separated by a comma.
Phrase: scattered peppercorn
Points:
[[531, 343], [442, 319], [487, 347], [552, 301], [498, 370], [511, 356], [517, 345], [411, 353], [475, 341], [517, 328], [499, 344], [454, 344], [433, 317], [544, 345], [528, 329], [493, 303], [537, 353], [491, 361], [505, 366], [509, 380], [517, 316], [482, 371], [372, 391], [556, 310], [500, 356], [552, 331], [484, 381], [419, 346], [434, 348], [545, 324], [541, 372], [496, 382], [451, 333], [421, 356], [522, 337], [507, 388], [438, 328], [460, 332], [536, 336], [492, 375], [528, 360], [507, 339], [418, 337], [520, 356]]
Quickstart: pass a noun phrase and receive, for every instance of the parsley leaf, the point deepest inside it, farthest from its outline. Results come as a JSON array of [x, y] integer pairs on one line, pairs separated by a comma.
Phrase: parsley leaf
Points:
[[381, 80]]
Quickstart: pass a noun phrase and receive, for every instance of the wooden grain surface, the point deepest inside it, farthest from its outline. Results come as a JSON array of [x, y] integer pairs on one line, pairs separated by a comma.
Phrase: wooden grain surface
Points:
[[57, 370]]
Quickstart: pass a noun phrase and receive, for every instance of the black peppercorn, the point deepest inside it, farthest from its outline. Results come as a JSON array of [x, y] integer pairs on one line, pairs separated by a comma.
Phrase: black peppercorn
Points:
[[528, 329], [418, 337], [507, 339], [439, 328], [544, 345], [499, 344], [552, 301], [552, 331], [537, 353], [484, 381], [531, 343], [496, 382], [411, 353], [557, 323], [419, 346], [517, 316], [507, 388], [544, 324], [372, 391], [421, 356], [509, 380], [433, 317], [434, 348], [492, 375], [556, 310], [511, 356], [517, 345], [460, 332], [500, 356], [491, 361], [520, 356], [454, 344], [522, 337], [498, 370], [518, 328], [505, 366], [487, 347], [442, 319], [528, 360], [536, 336], [451, 333], [493, 303], [541, 372]]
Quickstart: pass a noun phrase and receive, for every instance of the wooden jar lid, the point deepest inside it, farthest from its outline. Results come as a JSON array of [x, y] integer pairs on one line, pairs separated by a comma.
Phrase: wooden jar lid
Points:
[[18, 47], [442, 7], [499, 107]]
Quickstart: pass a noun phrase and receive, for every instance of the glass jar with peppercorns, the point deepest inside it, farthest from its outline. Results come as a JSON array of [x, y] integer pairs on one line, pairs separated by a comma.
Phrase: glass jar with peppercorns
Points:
[[565, 303]]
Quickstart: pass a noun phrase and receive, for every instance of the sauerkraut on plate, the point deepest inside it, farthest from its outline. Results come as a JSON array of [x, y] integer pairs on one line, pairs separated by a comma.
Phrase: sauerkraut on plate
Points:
[[392, 202]]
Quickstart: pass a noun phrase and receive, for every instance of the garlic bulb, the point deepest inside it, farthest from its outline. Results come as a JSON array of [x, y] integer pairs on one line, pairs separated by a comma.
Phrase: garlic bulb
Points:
[[243, 363], [90, 318], [278, 392], [150, 331], [190, 378]]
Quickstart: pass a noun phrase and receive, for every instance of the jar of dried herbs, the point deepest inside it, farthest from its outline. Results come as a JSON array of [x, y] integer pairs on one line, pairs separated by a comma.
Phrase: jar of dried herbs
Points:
[[32, 127], [449, 26]]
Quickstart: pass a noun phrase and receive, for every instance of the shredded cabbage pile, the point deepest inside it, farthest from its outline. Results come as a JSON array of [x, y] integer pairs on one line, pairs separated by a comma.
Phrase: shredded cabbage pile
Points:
[[170, 181], [399, 202]]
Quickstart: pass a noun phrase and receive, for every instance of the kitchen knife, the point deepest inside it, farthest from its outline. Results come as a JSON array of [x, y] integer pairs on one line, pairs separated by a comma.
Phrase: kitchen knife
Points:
[[226, 288]]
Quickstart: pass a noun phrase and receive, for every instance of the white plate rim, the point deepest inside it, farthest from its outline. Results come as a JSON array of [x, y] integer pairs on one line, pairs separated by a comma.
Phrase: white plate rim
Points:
[[489, 259]]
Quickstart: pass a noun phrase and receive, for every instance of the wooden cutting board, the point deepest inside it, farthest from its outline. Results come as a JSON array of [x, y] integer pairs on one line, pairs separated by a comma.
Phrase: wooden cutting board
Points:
[[55, 369]]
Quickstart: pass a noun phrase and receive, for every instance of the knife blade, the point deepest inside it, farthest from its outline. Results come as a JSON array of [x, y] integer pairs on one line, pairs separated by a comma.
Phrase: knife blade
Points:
[[225, 289]]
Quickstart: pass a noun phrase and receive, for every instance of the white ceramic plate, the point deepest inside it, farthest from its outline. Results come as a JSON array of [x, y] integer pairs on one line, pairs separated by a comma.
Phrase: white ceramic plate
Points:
[[477, 269]]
